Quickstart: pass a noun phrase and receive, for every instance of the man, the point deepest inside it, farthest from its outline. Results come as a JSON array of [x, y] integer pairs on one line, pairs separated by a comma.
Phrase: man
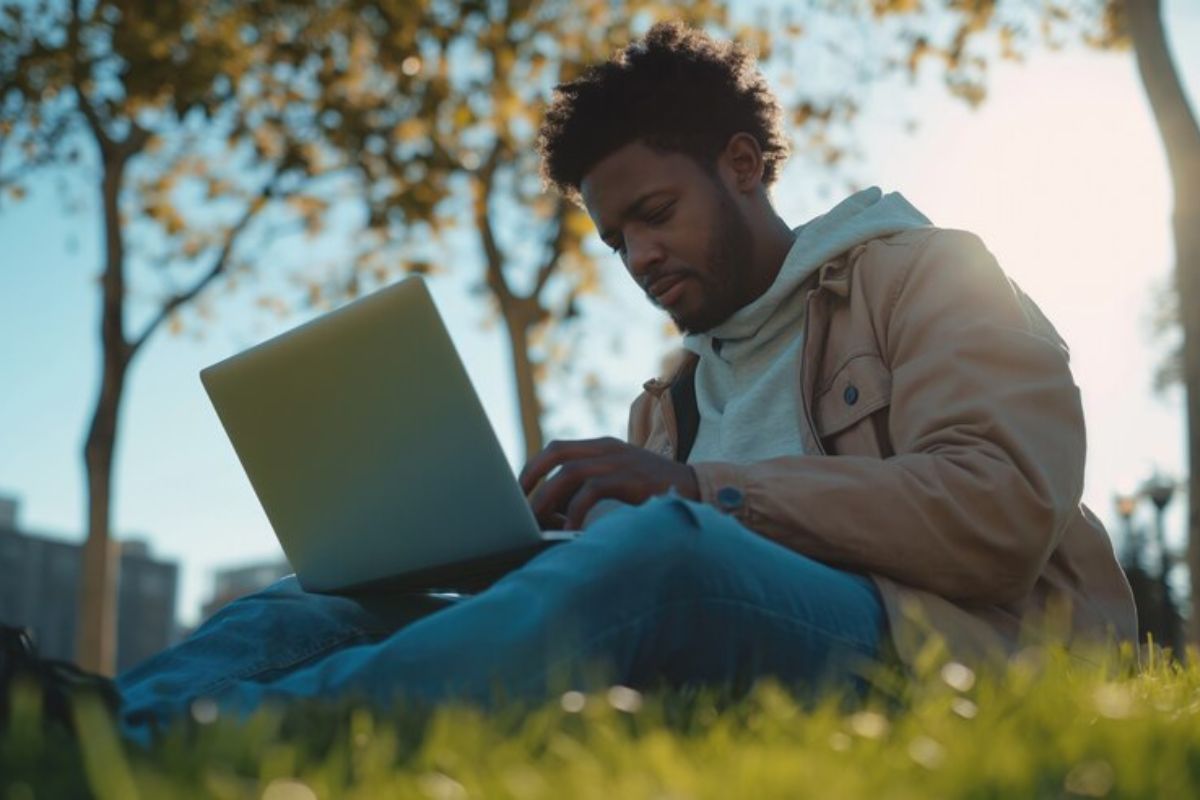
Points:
[[873, 435]]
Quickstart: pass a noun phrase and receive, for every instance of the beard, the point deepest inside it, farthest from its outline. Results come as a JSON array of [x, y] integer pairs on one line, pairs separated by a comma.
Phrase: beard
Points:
[[725, 284]]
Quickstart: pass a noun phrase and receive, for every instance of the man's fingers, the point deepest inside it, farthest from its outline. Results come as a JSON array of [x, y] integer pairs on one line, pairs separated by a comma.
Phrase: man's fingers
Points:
[[558, 452], [553, 495], [602, 487], [555, 522]]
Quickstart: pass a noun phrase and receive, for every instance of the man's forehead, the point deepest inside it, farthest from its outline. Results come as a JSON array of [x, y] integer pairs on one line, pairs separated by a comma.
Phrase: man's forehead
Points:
[[623, 177]]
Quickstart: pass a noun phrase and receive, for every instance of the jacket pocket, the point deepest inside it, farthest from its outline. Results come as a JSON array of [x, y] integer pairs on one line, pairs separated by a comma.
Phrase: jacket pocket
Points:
[[851, 410]]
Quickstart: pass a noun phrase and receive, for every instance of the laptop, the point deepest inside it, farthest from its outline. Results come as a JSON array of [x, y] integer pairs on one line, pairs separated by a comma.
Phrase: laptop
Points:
[[370, 451]]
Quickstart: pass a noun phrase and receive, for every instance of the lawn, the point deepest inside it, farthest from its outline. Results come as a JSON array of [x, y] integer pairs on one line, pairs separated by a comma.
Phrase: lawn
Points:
[[1044, 726]]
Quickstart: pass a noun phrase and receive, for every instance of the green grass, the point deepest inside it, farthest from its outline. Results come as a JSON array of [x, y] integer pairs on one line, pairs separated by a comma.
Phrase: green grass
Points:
[[1046, 726]]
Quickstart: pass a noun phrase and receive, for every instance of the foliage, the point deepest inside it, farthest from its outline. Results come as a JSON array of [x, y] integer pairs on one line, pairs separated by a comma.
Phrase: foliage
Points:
[[228, 110], [1045, 726], [223, 125], [966, 38], [1166, 326]]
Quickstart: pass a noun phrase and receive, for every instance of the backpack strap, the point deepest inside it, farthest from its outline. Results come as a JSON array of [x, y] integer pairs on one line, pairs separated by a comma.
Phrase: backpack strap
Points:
[[687, 414]]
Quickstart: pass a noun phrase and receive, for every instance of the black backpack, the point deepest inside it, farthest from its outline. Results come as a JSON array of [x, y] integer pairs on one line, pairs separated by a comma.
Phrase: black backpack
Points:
[[57, 680]]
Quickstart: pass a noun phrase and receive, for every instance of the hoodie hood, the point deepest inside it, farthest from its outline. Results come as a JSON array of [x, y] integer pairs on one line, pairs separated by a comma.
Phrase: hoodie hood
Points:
[[865, 215]]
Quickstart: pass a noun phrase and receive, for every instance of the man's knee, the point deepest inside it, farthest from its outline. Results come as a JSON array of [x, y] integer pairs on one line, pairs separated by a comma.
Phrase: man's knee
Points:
[[667, 539]]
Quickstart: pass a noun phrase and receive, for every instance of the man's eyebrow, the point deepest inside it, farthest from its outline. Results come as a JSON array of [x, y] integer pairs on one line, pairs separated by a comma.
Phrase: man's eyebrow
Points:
[[633, 208]]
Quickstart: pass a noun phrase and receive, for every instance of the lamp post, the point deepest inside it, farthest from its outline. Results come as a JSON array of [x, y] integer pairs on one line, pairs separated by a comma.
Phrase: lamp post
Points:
[[1160, 490], [1125, 504]]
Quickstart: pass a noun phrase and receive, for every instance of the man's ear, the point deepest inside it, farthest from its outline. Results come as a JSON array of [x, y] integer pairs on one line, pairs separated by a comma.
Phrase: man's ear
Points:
[[742, 161]]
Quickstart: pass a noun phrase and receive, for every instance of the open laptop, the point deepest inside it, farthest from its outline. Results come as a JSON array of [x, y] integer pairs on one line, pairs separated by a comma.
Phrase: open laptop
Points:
[[370, 450]]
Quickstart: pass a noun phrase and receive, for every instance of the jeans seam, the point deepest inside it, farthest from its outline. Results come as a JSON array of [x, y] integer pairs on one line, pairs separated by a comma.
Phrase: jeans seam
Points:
[[859, 647], [290, 659]]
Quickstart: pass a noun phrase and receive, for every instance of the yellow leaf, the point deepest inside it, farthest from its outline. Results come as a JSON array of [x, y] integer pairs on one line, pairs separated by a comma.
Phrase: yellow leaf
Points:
[[411, 130], [579, 224], [216, 187]]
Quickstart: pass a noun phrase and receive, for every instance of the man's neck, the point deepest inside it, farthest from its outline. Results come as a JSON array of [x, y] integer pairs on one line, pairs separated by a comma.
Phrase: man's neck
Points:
[[772, 244]]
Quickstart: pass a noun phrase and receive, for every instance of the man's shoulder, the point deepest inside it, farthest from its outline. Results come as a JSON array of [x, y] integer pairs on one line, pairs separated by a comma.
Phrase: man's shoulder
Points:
[[893, 257], [912, 241], [942, 270]]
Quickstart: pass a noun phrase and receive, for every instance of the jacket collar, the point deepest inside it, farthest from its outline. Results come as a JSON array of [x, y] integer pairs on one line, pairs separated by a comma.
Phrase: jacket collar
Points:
[[834, 275], [656, 386]]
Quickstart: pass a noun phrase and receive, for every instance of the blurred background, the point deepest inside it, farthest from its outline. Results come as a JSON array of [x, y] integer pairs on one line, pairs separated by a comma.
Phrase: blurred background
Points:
[[180, 181]]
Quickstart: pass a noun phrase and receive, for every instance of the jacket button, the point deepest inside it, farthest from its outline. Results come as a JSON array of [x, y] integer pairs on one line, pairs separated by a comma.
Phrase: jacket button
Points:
[[850, 395], [729, 498]]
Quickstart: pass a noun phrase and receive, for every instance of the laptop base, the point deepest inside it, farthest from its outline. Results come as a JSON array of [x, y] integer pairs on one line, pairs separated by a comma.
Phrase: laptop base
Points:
[[460, 577]]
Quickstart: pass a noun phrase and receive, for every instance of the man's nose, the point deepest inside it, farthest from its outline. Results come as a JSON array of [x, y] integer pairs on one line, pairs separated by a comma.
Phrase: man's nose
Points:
[[644, 255]]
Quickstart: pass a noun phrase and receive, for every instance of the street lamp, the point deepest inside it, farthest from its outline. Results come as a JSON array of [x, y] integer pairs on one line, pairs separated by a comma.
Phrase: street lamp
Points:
[[1160, 489], [1125, 504]]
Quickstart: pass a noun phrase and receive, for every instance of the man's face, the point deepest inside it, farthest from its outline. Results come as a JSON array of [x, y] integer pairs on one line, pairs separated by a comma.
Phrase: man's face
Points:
[[678, 230]]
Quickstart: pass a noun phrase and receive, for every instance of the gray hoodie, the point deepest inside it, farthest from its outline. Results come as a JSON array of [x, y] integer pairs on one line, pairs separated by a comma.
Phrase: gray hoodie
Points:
[[747, 392]]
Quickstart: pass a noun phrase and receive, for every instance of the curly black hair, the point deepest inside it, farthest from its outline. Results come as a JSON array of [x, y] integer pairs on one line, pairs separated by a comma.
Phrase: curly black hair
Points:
[[678, 90]]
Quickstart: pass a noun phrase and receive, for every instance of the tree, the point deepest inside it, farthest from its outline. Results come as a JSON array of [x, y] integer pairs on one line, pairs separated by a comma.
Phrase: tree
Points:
[[1181, 140], [258, 111], [213, 128], [973, 34], [139, 92]]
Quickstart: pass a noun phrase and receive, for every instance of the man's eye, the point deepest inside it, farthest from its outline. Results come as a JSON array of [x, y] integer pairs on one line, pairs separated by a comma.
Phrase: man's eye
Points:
[[660, 214], [618, 249]]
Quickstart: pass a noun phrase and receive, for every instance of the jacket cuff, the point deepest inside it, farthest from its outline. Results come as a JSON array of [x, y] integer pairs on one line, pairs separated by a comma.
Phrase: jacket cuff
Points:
[[723, 486]]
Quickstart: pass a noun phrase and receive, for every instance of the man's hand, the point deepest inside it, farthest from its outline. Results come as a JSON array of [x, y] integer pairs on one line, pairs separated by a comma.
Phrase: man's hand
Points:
[[594, 469]]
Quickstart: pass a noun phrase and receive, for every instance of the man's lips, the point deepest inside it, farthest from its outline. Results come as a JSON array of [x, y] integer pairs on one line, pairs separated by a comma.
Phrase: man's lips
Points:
[[661, 286]]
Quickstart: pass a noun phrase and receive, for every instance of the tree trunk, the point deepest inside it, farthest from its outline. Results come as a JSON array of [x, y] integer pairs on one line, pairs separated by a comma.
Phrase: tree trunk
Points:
[[520, 312], [1187, 275], [518, 325], [1181, 141], [97, 631], [96, 635]]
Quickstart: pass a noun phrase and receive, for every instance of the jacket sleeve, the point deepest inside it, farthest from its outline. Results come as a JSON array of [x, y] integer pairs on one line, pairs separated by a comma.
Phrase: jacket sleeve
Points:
[[987, 428]]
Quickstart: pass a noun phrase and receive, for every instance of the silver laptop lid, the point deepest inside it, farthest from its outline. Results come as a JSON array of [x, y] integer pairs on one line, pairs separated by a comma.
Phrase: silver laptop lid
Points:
[[367, 445]]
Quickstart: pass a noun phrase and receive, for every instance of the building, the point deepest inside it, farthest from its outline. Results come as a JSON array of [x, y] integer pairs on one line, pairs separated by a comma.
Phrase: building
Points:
[[234, 582], [146, 604], [39, 590]]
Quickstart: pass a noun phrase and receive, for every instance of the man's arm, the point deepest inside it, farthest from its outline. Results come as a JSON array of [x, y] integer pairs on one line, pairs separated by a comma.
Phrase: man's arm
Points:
[[988, 432]]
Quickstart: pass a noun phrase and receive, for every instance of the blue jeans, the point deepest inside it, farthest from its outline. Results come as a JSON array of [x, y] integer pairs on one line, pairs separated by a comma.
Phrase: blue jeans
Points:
[[670, 591]]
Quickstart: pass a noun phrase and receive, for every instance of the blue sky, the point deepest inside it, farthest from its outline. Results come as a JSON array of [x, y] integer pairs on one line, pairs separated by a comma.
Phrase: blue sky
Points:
[[1061, 173]]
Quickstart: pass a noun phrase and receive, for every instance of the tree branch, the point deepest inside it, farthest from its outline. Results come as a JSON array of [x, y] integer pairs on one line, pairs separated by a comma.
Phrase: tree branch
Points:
[[483, 221], [77, 80], [556, 248], [218, 267], [134, 141]]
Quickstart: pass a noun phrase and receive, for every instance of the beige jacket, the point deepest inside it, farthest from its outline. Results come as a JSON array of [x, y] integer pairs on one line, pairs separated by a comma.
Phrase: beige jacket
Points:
[[951, 452]]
